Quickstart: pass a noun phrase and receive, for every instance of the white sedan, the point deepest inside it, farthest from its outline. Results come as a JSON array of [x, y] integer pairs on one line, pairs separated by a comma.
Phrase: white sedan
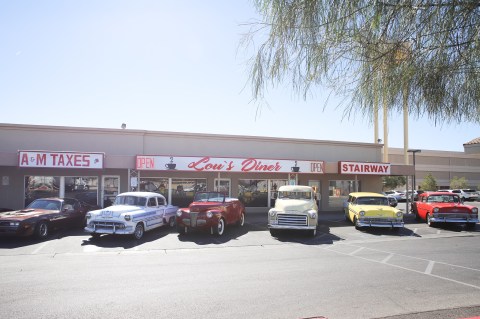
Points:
[[132, 213]]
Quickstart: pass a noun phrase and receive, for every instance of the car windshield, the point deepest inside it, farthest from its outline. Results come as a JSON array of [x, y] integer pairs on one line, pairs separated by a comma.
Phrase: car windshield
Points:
[[372, 201], [294, 195], [210, 197], [443, 199], [45, 204], [130, 200]]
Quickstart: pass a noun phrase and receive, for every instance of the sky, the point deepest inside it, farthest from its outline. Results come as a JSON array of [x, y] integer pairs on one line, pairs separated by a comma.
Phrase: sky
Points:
[[167, 65]]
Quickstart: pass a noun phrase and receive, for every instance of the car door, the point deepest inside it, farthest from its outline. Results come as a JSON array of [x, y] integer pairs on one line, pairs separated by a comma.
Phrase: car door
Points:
[[153, 214], [422, 207]]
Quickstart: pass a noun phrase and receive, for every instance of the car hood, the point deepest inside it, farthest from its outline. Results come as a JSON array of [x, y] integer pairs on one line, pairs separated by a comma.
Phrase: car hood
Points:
[[294, 205], [117, 210], [204, 206], [24, 214], [377, 211]]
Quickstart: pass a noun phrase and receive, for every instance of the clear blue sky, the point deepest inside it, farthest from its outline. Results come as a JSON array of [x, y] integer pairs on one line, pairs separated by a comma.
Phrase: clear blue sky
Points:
[[165, 66]]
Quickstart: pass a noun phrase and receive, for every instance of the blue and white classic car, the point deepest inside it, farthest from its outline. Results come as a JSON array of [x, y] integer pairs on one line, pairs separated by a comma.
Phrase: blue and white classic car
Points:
[[132, 213]]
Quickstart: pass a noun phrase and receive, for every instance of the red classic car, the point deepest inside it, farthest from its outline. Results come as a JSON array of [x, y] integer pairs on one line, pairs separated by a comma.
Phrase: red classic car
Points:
[[43, 215], [210, 211], [444, 207]]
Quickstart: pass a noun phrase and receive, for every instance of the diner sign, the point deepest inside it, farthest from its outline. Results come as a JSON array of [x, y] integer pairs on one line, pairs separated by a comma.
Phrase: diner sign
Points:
[[226, 164], [364, 168], [60, 159]]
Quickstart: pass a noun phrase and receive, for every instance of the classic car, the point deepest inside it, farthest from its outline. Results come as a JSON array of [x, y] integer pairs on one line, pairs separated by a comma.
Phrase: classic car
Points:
[[444, 207], [365, 209], [43, 215], [210, 211], [132, 213], [295, 208]]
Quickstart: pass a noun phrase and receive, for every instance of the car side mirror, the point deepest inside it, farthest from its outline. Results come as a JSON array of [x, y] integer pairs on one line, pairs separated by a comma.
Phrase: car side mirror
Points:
[[393, 204]]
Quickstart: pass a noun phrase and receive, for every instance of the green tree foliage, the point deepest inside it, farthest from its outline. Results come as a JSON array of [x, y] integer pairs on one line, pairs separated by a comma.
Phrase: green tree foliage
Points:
[[456, 182], [393, 182], [429, 183], [371, 50]]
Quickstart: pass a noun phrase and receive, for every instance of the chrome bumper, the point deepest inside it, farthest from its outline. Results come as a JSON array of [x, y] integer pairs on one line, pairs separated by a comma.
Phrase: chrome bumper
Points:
[[453, 220], [118, 231], [391, 224], [270, 226]]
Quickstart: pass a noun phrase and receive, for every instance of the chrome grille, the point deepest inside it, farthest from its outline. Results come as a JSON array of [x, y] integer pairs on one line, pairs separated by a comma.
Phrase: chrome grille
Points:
[[378, 220], [108, 225], [292, 220], [453, 216], [193, 219]]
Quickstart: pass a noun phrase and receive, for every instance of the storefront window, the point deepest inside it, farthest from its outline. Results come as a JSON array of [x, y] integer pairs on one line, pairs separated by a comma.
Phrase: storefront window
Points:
[[184, 189], [82, 188], [339, 190], [253, 192], [156, 185], [41, 187]]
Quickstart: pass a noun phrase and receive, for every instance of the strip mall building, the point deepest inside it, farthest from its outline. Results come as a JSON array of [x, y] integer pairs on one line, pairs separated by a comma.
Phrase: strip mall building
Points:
[[94, 165]]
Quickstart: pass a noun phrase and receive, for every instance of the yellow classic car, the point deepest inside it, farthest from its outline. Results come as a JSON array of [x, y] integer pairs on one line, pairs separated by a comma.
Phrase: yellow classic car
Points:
[[366, 209]]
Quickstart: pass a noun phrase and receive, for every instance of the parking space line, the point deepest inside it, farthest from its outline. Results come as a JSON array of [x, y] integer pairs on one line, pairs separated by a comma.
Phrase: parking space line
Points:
[[356, 251], [39, 248], [429, 269], [384, 261], [427, 272]]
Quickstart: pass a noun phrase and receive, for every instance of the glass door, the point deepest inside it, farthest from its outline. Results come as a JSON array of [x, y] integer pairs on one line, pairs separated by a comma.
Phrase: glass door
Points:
[[110, 189], [223, 185]]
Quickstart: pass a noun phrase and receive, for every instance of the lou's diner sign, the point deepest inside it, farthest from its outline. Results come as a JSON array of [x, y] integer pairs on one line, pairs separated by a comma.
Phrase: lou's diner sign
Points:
[[60, 159], [225, 164]]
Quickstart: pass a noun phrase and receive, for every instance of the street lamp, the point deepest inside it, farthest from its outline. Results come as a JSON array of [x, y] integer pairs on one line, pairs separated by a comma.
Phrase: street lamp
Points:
[[414, 170]]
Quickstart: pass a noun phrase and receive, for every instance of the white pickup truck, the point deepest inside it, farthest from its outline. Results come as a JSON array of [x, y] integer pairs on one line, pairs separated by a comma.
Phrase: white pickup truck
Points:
[[295, 208], [132, 213]]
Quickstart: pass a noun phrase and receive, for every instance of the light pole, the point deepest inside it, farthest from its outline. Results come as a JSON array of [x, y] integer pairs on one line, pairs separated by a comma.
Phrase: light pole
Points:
[[414, 170]]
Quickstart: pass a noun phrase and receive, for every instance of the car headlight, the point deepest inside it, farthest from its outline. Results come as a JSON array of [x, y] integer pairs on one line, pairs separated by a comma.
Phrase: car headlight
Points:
[[179, 212], [475, 210], [127, 217], [312, 214], [209, 214], [272, 213], [88, 215], [399, 214], [436, 210], [14, 223], [362, 213]]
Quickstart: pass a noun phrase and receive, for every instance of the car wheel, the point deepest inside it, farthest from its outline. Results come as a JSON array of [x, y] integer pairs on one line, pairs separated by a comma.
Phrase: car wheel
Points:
[[180, 229], [429, 221], [139, 231], [417, 217], [220, 229], [95, 235], [241, 221], [355, 222], [41, 231], [312, 232], [470, 226], [273, 232], [171, 222]]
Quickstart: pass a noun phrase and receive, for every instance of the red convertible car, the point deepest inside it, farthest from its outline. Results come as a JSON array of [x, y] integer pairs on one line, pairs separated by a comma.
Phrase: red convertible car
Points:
[[210, 211], [43, 215], [444, 207]]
